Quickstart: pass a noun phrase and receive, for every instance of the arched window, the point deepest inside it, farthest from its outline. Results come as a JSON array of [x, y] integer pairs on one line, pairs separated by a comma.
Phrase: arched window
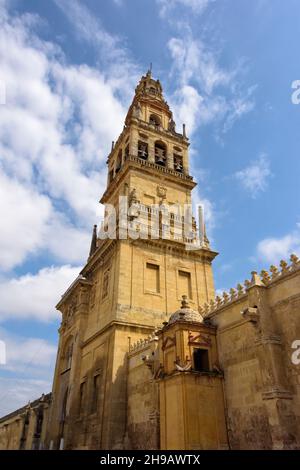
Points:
[[154, 120], [142, 150], [160, 152]]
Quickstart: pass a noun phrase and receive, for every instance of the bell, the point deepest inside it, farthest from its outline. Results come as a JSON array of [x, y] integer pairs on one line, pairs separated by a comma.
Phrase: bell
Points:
[[143, 154]]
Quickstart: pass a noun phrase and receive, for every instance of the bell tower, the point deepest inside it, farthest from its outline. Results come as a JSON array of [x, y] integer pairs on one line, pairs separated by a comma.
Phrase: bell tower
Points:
[[134, 277], [149, 140]]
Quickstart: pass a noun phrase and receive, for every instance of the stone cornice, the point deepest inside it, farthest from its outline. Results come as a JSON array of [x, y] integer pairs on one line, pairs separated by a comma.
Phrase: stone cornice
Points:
[[80, 280], [173, 246], [115, 324]]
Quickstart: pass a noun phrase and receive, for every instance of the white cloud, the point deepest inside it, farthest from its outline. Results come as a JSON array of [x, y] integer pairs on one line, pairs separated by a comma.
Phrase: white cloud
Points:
[[239, 106], [28, 370], [196, 6], [16, 393], [55, 132], [254, 178], [28, 356], [121, 70], [193, 60], [23, 213], [35, 295], [205, 92], [31, 225], [186, 106], [274, 249], [66, 242], [209, 212]]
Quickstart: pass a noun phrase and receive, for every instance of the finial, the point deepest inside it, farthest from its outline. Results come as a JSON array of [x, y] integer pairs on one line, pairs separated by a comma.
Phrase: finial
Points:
[[201, 225], [183, 130], [284, 266], [294, 260], [94, 241], [255, 280], [185, 302], [112, 145], [274, 271]]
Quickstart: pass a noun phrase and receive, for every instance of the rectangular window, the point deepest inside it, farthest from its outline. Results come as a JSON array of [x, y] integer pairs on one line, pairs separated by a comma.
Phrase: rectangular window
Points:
[[96, 391], [105, 285], [201, 361], [152, 283], [184, 284], [82, 392], [126, 152]]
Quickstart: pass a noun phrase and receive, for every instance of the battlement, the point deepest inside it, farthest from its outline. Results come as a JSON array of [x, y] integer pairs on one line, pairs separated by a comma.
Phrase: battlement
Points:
[[142, 344], [265, 279]]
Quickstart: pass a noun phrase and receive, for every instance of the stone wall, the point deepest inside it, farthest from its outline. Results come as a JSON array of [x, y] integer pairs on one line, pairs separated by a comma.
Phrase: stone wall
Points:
[[26, 427], [143, 396], [257, 325]]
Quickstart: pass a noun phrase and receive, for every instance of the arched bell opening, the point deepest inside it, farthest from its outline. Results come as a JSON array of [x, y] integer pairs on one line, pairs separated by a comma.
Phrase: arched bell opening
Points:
[[178, 163], [155, 120], [160, 152], [142, 150]]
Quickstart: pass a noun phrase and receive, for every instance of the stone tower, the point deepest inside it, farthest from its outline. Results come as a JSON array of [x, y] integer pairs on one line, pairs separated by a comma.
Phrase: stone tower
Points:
[[130, 284]]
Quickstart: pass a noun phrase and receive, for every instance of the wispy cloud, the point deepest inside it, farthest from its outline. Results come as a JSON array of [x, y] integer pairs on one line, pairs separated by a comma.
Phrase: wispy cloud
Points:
[[206, 92], [274, 249], [15, 392], [255, 177], [115, 59], [65, 118], [28, 370], [195, 6], [35, 295], [31, 356]]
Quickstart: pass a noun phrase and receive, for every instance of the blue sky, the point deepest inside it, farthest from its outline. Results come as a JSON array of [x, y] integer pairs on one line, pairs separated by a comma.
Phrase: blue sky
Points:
[[69, 69]]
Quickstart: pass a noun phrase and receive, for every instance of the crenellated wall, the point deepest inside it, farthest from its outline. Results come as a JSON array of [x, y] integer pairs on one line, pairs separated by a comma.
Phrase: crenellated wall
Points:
[[256, 327]]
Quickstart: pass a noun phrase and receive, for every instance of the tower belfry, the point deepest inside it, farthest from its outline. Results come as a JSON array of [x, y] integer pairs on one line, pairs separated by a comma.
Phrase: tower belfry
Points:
[[129, 285], [150, 140]]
